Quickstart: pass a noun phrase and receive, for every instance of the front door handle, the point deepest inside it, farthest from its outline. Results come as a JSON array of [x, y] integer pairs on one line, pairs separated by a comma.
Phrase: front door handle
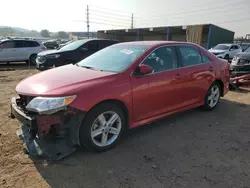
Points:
[[177, 76], [211, 69]]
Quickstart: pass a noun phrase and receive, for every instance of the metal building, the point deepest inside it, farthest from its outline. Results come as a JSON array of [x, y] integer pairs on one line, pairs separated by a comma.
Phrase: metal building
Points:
[[206, 35]]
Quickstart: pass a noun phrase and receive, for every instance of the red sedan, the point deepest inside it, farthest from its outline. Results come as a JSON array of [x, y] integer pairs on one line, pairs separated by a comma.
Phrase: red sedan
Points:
[[123, 86]]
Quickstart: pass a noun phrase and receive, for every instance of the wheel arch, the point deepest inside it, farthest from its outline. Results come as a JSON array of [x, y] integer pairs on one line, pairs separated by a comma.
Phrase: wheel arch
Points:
[[221, 84], [119, 103]]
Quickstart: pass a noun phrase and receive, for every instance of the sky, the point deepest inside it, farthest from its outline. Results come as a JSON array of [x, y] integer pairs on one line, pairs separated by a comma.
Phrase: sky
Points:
[[71, 15]]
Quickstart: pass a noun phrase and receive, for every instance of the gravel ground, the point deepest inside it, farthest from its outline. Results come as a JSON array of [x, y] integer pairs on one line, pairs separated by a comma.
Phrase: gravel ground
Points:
[[191, 149]]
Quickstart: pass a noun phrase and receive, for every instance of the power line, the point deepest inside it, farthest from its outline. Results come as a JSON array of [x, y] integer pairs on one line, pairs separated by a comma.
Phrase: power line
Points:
[[110, 18], [107, 20], [102, 23], [199, 10], [114, 14], [110, 10]]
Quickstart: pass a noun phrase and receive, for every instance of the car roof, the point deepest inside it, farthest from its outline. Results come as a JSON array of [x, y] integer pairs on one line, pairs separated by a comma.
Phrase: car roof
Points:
[[153, 43]]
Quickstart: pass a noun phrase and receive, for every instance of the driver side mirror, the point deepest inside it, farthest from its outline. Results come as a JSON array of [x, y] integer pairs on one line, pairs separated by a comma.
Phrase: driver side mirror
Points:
[[231, 49], [145, 69]]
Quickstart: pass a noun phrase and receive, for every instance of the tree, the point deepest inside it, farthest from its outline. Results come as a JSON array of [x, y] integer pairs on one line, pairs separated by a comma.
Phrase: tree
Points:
[[62, 34], [45, 33]]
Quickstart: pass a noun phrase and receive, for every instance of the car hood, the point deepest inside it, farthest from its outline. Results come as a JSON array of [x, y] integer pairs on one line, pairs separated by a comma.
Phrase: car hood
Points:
[[244, 55], [50, 52], [217, 51], [60, 81]]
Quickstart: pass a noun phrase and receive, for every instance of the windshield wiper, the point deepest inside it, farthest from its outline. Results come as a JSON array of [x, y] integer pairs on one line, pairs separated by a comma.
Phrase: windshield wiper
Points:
[[92, 68]]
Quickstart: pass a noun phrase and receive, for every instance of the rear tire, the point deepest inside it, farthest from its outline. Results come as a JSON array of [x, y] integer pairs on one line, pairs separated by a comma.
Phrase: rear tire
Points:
[[212, 98], [103, 127]]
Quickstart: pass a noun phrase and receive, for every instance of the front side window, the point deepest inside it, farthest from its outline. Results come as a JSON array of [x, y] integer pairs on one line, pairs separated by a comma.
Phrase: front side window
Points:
[[162, 59], [113, 58], [92, 45], [7, 44], [189, 56]]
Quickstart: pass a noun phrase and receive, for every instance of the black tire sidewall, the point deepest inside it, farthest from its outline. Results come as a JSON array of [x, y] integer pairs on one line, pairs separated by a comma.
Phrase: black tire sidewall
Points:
[[206, 105], [227, 57], [85, 129], [30, 59]]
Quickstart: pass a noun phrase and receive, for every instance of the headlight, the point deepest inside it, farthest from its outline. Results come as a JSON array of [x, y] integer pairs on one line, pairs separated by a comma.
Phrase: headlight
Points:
[[219, 53], [243, 62], [53, 56], [49, 105]]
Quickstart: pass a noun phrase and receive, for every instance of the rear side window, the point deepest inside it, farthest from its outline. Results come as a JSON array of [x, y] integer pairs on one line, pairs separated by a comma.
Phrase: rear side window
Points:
[[29, 44], [189, 56], [7, 44]]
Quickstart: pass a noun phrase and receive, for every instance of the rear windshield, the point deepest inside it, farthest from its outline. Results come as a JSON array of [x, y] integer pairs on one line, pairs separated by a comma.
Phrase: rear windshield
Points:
[[114, 58]]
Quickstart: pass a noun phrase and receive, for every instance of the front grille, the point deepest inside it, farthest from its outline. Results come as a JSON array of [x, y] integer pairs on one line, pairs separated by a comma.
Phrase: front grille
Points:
[[40, 59]]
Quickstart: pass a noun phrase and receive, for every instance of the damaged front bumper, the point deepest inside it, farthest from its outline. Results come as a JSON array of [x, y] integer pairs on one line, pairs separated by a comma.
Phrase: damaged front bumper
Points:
[[52, 136]]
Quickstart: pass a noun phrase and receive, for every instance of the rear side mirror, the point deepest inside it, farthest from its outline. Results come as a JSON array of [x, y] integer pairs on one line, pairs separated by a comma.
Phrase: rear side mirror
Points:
[[145, 69]]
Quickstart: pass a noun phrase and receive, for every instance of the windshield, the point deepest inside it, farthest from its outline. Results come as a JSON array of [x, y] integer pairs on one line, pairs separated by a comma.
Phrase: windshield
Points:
[[113, 58], [247, 49], [73, 45], [221, 47]]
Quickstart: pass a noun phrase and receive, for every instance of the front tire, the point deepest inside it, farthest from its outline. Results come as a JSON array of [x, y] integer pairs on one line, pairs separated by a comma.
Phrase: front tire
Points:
[[32, 59], [226, 57], [103, 127], [212, 98]]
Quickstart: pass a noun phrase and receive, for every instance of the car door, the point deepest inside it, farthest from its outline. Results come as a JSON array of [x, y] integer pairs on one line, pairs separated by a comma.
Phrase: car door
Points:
[[20, 50], [7, 51], [197, 74], [159, 91]]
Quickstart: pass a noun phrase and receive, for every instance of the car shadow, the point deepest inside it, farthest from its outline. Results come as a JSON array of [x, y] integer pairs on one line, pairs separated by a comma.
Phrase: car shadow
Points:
[[241, 90], [16, 66], [179, 149]]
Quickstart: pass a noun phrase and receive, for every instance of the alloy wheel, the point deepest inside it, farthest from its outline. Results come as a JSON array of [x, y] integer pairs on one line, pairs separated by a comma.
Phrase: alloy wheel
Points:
[[213, 97], [106, 128]]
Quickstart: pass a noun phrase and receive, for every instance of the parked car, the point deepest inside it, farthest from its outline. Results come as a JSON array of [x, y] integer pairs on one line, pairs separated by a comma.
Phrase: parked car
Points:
[[122, 86], [244, 46], [17, 50], [71, 53], [64, 44], [51, 44], [226, 51], [241, 63]]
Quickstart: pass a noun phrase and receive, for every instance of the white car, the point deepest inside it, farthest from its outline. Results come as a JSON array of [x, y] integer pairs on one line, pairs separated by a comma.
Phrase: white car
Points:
[[17, 50], [226, 51]]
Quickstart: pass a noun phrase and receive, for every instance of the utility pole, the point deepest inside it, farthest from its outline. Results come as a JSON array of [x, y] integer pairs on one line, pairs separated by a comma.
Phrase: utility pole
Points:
[[88, 20], [132, 21]]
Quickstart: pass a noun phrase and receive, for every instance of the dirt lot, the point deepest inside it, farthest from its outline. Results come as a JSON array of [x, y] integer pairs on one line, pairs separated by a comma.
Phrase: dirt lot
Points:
[[192, 149]]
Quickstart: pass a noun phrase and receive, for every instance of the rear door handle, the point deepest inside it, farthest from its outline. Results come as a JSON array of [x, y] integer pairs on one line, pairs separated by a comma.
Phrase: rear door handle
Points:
[[177, 76], [211, 69]]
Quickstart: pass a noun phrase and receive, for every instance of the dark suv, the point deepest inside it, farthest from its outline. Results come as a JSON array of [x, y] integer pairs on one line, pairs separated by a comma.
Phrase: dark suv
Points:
[[71, 53]]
